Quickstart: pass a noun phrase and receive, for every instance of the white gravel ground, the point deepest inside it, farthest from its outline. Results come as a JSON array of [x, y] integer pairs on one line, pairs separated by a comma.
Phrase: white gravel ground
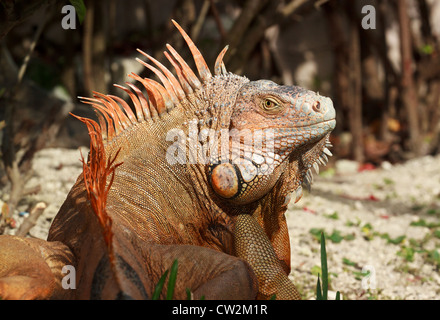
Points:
[[361, 207], [369, 205]]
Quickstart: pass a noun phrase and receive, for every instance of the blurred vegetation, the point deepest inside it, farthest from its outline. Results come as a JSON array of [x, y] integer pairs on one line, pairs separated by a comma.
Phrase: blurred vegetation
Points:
[[385, 82]]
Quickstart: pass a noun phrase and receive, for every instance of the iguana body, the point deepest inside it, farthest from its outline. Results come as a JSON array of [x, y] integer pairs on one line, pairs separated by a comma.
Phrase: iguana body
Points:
[[165, 181]]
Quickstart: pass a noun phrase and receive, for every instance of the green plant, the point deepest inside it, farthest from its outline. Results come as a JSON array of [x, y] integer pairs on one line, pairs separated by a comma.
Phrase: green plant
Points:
[[333, 216], [322, 289], [335, 236], [171, 283], [80, 9]]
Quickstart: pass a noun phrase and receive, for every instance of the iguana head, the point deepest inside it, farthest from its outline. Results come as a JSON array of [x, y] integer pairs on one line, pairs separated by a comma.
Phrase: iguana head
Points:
[[279, 130]]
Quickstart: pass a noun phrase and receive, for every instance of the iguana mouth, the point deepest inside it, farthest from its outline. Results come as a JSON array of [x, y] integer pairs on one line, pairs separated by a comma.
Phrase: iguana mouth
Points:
[[328, 121], [331, 121]]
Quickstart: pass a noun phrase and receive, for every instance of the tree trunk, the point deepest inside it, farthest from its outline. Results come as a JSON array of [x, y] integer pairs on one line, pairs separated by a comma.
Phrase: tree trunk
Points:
[[408, 90], [355, 77], [347, 71]]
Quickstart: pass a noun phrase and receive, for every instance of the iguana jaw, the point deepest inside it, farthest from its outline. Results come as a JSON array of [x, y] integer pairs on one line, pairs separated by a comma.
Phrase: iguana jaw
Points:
[[301, 164]]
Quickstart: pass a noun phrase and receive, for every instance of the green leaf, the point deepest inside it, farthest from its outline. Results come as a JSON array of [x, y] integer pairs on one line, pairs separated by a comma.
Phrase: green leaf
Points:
[[348, 262], [335, 237], [359, 275], [353, 223], [407, 253], [420, 223], [172, 280], [397, 240], [433, 211], [318, 290], [423, 223], [427, 49], [322, 290], [159, 286], [316, 270], [338, 295], [315, 232], [324, 268], [435, 256], [188, 294], [80, 9], [333, 216], [367, 230]]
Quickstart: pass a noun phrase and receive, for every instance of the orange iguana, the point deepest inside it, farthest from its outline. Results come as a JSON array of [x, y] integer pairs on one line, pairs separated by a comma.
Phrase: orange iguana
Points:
[[200, 170]]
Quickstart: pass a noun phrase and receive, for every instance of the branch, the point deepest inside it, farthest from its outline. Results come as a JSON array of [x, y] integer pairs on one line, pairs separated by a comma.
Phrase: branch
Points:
[[246, 40], [9, 155], [14, 12], [31, 220], [292, 7], [200, 20], [250, 10], [218, 21]]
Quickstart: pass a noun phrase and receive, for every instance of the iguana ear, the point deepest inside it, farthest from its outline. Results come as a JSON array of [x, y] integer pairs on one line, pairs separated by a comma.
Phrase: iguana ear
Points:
[[242, 182], [224, 180]]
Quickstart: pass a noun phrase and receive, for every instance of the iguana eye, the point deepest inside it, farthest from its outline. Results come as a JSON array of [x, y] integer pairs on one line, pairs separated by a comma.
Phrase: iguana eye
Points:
[[270, 105]]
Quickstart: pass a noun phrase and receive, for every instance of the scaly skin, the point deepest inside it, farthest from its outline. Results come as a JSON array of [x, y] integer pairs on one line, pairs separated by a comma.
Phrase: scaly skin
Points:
[[201, 173]]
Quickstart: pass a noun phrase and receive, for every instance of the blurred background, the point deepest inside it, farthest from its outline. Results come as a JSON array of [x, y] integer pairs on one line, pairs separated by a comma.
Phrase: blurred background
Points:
[[378, 60]]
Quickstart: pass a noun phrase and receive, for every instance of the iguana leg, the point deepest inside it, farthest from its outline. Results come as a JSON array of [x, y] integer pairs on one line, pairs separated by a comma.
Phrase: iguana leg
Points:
[[132, 269], [252, 245], [205, 272], [32, 268]]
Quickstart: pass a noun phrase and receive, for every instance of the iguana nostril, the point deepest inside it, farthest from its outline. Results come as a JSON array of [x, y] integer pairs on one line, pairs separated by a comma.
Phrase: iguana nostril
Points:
[[316, 106]]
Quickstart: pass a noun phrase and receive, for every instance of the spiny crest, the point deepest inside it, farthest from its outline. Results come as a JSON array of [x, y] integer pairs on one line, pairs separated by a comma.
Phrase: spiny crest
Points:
[[96, 171], [115, 115]]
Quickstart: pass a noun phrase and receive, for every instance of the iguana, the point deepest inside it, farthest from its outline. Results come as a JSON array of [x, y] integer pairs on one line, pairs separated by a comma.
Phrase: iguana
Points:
[[199, 169]]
